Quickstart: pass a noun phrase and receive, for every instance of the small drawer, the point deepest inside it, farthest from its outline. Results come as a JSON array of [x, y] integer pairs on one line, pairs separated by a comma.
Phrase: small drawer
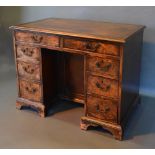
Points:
[[27, 70], [103, 109], [44, 39], [28, 54], [102, 86], [30, 91], [92, 46], [105, 67]]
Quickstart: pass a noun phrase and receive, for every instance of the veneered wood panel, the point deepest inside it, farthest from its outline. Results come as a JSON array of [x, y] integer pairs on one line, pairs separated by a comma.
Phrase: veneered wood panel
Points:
[[131, 72], [118, 32]]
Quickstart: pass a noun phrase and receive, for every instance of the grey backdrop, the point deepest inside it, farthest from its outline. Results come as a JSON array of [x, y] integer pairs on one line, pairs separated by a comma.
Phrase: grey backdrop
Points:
[[134, 15]]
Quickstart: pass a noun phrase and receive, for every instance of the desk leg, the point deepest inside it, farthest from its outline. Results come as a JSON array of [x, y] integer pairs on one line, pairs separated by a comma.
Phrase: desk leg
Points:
[[116, 130], [38, 107]]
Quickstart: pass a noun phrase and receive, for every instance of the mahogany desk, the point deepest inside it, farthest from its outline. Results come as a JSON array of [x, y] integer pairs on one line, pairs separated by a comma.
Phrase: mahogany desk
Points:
[[89, 62]]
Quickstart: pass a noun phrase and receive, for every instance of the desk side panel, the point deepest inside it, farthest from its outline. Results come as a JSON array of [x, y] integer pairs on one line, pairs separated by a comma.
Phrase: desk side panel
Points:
[[131, 73]]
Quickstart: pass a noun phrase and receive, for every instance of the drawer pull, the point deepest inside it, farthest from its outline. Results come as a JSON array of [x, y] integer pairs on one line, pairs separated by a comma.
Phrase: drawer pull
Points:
[[97, 108], [103, 68], [31, 90], [27, 52], [106, 109], [90, 46], [28, 69], [37, 38], [104, 88]]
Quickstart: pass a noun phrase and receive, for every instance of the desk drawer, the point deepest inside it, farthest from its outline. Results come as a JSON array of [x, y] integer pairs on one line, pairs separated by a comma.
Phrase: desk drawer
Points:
[[29, 71], [44, 39], [103, 109], [31, 91], [92, 46], [28, 54], [102, 86], [107, 67]]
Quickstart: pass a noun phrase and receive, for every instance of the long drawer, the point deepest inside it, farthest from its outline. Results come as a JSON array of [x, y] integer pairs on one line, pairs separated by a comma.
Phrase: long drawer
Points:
[[92, 46]]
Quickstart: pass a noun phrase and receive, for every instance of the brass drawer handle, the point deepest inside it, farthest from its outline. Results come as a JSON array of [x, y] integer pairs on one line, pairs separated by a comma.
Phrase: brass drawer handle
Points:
[[104, 68], [97, 107], [30, 90], [28, 69], [105, 110], [37, 38], [92, 47], [104, 88], [27, 52]]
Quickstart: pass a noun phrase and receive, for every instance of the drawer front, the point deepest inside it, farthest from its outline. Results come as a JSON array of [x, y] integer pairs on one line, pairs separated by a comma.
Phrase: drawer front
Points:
[[31, 91], [103, 109], [107, 67], [28, 54], [43, 39], [28, 70], [102, 86], [92, 46]]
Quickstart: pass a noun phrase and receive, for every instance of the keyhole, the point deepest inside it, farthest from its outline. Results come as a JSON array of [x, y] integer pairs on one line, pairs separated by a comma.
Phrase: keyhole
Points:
[[97, 107]]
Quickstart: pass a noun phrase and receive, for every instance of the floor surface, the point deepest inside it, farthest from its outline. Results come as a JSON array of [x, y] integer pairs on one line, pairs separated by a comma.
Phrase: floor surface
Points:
[[25, 129]]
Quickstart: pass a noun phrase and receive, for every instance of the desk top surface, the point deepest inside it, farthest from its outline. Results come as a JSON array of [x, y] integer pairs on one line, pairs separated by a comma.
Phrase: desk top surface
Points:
[[83, 28]]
